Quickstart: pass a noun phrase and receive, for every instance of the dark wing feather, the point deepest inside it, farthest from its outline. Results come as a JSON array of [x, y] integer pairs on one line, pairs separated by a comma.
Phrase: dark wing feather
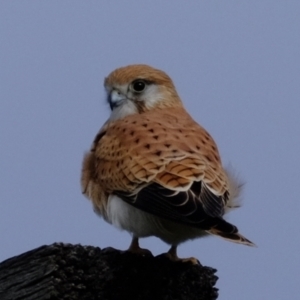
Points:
[[197, 207], [213, 205]]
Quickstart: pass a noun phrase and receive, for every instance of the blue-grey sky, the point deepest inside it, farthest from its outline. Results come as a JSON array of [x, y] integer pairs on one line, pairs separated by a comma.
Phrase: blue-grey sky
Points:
[[236, 65]]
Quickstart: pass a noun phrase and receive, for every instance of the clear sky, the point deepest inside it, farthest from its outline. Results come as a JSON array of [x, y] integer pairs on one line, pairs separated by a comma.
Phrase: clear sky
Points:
[[236, 65]]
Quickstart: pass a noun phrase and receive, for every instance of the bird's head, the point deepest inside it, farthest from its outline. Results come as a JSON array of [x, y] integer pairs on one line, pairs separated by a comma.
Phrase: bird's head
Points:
[[137, 89]]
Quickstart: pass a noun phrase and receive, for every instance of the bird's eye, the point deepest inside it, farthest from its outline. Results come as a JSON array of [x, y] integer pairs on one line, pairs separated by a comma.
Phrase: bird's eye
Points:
[[138, 86]]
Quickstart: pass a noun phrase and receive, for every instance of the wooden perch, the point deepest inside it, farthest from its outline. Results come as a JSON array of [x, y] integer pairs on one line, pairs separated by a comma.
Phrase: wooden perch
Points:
[[64, 271]]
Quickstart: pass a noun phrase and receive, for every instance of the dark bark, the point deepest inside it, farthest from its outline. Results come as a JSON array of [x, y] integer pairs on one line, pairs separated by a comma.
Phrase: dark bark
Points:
[[64, 271]]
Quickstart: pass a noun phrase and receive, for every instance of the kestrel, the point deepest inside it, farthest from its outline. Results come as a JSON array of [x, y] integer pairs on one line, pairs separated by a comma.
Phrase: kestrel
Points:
[[152, 170]]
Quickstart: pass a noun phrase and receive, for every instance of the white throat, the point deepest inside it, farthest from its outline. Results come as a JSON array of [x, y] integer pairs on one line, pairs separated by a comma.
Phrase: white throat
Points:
[[125, 109]]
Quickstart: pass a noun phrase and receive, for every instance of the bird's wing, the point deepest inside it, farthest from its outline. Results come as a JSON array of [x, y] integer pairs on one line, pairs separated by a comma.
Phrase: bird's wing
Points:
[[163, 163]]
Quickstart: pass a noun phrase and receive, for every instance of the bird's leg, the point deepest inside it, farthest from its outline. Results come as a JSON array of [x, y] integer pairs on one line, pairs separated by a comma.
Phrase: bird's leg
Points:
[[172, 255], [135, 248]]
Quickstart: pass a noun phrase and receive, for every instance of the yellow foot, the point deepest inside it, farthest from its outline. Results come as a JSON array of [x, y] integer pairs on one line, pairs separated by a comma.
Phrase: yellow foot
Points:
[[192, 260], [135, 248], [140, 251], [172, 255]]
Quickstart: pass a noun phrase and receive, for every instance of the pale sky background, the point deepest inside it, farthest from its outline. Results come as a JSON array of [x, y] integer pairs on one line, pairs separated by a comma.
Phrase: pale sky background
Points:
[[236, 65]]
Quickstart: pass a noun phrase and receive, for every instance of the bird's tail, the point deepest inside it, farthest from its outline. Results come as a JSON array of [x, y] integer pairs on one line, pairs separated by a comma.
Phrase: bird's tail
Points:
[[230, 233]]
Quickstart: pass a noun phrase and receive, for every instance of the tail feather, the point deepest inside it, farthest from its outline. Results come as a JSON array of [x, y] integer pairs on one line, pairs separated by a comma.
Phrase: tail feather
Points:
[[235, 237]]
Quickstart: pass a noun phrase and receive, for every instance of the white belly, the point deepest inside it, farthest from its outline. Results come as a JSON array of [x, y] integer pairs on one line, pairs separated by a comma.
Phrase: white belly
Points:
[[143, 224]]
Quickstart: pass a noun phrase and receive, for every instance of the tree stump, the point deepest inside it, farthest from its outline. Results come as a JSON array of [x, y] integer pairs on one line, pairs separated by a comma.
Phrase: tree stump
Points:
[[65, 271]]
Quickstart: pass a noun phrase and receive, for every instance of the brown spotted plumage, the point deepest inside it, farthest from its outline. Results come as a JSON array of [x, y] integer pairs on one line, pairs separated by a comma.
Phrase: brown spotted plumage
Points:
[[152, 170]]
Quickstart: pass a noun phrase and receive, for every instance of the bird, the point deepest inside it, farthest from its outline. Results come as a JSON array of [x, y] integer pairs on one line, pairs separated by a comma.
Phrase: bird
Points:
[[154, 171]]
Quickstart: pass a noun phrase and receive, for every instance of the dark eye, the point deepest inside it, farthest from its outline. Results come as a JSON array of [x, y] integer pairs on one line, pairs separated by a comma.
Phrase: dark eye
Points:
[[138, 86]]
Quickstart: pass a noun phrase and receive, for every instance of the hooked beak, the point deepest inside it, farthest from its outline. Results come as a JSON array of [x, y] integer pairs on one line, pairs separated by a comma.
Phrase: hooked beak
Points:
[[115, 98]]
